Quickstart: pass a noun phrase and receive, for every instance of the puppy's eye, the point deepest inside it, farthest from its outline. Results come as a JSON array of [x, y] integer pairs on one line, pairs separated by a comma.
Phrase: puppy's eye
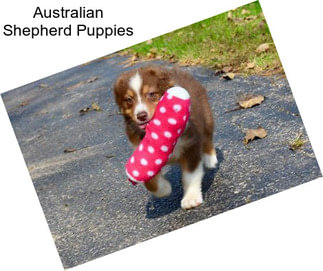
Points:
[[152, 96], [128, 100]]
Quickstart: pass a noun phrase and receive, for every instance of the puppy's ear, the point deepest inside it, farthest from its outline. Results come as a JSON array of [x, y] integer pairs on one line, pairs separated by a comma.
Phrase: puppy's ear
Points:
[[163, 78], [119, 84], [119, 88]]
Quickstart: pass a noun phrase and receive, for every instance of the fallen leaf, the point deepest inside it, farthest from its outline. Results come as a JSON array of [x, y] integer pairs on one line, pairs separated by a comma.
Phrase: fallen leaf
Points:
[[108, 156], [251, 18], [227, 69], [92, 79], [262, 48], [84, 110], [244, 11], [230, 16], [131, 60], [252, 134], [67, 150], [70, 150], [149, 42], [228, 76], [43, 86], [153, 50], [238, 21], [297, 143], [262, 24], [24, 103], [172, 59], [96, 107], [250, 65], [150, 55], [251, 100]]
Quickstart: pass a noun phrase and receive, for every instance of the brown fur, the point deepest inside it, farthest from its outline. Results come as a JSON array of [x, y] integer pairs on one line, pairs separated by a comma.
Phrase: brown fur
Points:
[[198, 136]]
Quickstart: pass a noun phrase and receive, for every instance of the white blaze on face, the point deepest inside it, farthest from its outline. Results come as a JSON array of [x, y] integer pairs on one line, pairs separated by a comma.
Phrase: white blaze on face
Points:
[[135, 83]]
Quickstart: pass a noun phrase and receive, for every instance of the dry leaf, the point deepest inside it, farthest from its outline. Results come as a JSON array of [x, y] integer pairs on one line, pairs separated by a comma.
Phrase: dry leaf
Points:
[[43, 86], [24, 103], [251, 100], [131, 60], [251, 18], [297, 143], [227, 69], [149, 42], [238, 21], [251, 134], [84, 110], [96, 107], [92, 79], [230, 16], [172, 59], [70, 150], [250, 65], [228, 76], [262, 48], [244, 11], [262, 24]]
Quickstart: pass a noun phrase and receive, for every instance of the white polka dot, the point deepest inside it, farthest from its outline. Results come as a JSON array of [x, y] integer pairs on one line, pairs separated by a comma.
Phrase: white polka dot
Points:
[[172, 121], [144, 162], [157, 122], [179, 131], [177, 107], [151, 149], [158, 161], [150, 173], [168, 134], [164, 148], [141, 147], [169, 96], [132, 160], [184, 118], [154, 135], [135, 173], [162, 109]]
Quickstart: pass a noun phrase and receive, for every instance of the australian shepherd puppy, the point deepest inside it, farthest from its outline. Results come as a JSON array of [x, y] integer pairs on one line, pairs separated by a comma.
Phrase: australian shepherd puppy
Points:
[[137, 93]]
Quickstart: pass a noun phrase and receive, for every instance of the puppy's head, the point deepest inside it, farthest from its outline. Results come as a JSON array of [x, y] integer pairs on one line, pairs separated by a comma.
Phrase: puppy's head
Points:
[[137, 93]]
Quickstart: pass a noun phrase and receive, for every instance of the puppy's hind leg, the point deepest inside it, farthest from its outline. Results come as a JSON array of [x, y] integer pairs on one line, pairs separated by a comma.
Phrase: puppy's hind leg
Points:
[[209, 154]]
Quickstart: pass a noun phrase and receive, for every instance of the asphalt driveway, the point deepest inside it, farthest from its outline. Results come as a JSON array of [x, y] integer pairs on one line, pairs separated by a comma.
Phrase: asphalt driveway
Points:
[[91, 208]]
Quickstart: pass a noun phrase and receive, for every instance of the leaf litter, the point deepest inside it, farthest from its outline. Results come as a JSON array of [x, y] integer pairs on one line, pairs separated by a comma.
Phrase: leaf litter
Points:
[[252, 134], [79, 84], [250, 100], [94, 107], [247, 101]]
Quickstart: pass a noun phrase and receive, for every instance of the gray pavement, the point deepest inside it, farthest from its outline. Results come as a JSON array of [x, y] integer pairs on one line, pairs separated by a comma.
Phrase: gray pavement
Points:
[[92, 210]]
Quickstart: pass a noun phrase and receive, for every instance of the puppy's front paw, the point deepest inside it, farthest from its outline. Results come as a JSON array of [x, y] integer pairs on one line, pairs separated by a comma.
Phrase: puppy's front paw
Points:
[[210, 160], [192, 199], [164, 188]]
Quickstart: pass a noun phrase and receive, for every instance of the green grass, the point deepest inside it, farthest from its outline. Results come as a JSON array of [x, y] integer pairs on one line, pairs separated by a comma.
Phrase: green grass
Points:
[[218, 42]]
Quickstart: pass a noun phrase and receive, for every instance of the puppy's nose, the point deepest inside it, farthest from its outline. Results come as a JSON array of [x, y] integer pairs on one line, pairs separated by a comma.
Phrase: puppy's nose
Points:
[[142, 116]]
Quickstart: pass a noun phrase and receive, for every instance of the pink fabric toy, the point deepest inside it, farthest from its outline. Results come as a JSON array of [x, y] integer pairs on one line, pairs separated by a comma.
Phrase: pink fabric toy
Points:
[[162, 132]]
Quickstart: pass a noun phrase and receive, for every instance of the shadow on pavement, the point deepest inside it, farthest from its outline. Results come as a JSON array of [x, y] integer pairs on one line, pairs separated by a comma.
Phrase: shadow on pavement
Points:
[[157, 207]]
